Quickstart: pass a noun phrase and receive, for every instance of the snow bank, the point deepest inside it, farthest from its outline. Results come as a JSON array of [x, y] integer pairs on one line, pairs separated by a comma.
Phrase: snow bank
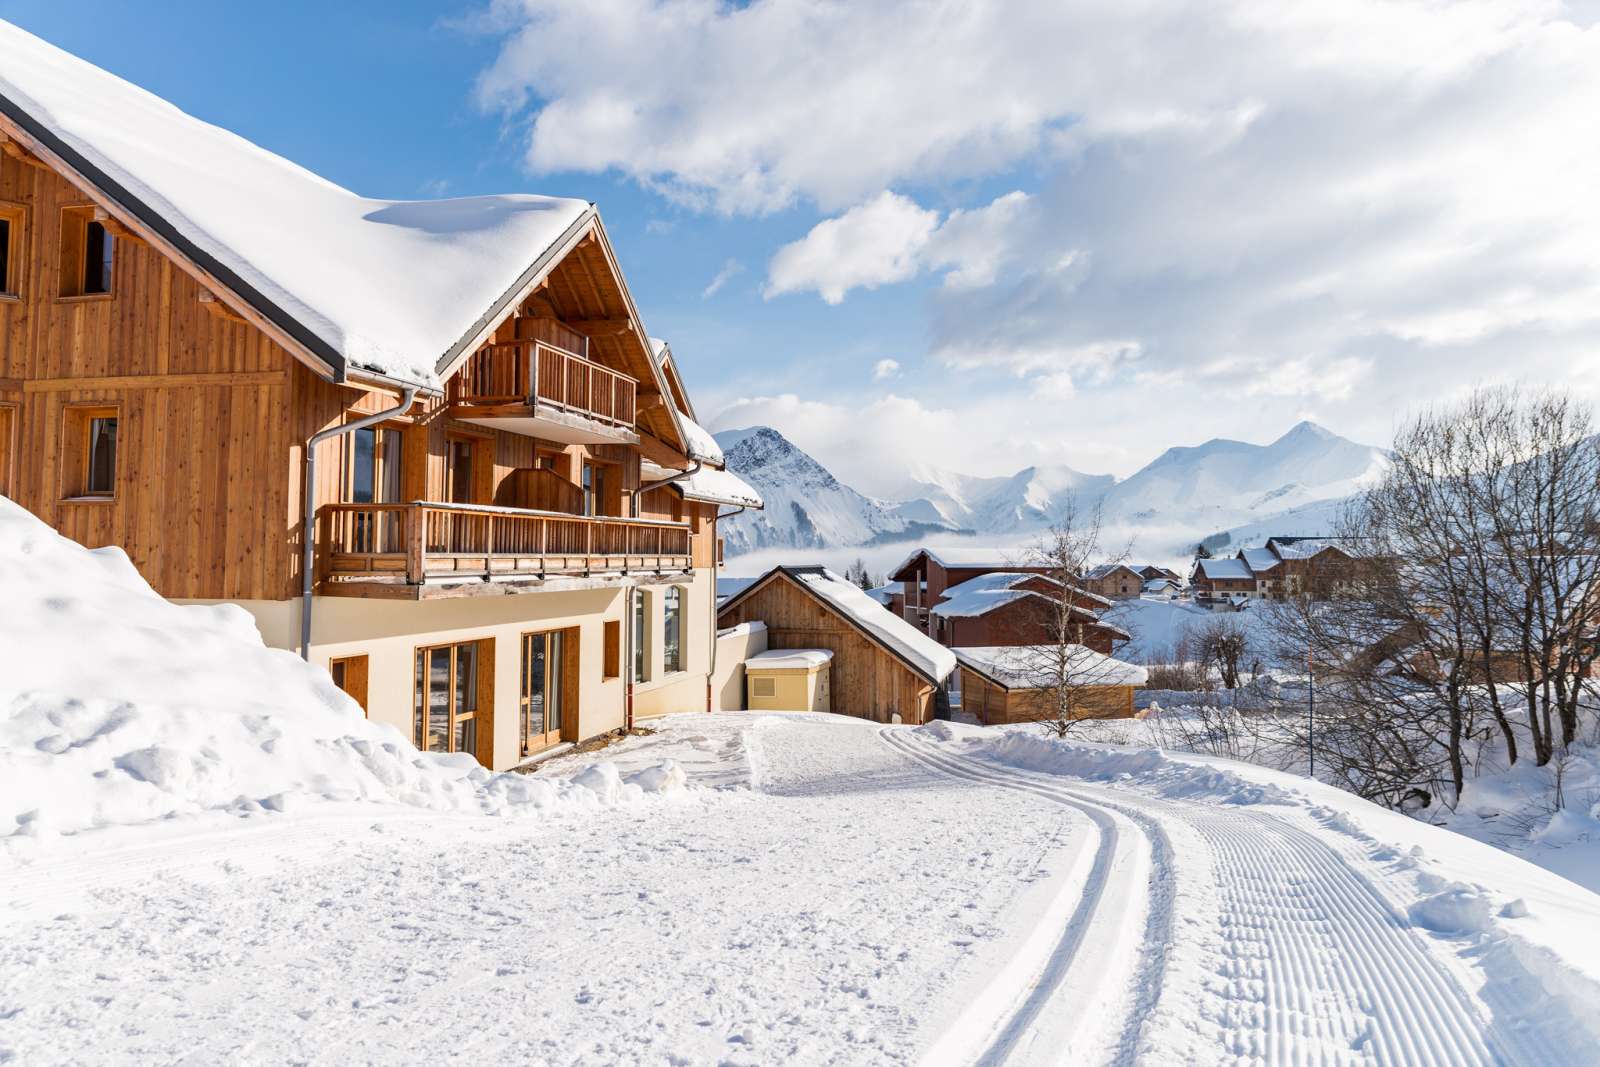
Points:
[[117, 707], [1153, 769]]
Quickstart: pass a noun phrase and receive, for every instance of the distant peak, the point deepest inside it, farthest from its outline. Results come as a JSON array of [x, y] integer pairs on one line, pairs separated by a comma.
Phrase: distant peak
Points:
[[1307, 429]]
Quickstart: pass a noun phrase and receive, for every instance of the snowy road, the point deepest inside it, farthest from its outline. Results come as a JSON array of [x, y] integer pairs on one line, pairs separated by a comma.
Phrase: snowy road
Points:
[[845, 893]]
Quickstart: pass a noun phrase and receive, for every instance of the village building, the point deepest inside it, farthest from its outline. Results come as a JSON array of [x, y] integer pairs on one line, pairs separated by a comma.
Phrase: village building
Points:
[[928, 572], [1116, 581], [1283, 567], [1013, 684], [1019, 608], [429, 445], [891, 671]]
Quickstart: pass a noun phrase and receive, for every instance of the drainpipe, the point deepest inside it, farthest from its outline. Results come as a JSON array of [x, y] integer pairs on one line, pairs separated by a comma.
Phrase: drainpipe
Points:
[[409, 394], [711, 672], [680, 476]]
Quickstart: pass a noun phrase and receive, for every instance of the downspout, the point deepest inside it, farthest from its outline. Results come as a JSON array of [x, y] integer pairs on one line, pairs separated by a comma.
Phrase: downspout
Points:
[[712, 672], [308, 500], [680, 476]]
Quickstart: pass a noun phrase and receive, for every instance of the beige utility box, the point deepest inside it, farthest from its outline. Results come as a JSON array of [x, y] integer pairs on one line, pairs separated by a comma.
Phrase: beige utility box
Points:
[[788, 679]]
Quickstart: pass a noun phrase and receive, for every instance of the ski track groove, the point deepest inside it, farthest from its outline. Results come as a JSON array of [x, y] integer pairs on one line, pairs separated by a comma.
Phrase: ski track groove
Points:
[[1319, 965]]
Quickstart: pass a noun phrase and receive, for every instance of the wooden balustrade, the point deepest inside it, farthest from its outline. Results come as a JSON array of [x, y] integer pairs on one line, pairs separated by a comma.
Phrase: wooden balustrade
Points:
[[418, 541], [535, 373]]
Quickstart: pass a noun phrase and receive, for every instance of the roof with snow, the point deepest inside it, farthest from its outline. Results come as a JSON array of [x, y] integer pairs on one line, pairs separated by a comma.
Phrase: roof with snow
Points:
[[394, 288], [1305, 547], [1107, 569], [885, 593], [719, 487], [963, 556], [905, 642], [1224, 568], [1259, 559], [701, 445], [784, 659], [980, 595], [1035, 666]]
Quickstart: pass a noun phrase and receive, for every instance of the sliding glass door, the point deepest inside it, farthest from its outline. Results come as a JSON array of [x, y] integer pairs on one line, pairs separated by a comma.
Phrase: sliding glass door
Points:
[[544, 690]]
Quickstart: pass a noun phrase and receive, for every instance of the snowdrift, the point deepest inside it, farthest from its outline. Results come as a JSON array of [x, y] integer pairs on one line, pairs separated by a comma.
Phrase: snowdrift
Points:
[[119, 707]]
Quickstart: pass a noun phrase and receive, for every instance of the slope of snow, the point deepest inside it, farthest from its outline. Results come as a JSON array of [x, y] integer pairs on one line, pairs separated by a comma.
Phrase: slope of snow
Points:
[[719, 487], [119, 707], [391, 285]]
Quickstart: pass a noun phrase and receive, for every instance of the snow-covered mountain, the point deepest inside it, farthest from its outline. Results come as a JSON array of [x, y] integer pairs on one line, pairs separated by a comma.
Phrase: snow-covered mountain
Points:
[[806, 506], [1187, 493]]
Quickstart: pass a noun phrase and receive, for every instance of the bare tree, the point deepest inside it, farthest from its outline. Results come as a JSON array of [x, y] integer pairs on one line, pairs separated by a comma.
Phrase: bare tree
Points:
[[858, 575], [1473, 600], [1221, 643], [1068, 677]]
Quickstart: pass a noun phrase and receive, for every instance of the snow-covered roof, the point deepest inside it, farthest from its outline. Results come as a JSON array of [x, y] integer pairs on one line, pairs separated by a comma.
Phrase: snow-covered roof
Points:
[[1104, 569], [719, 487], [386, 286], [1259, 559], [919, 651], [977, 596], [1024, 666], [963, 556], [1156, 585], [1224, 568], [885, 594], [781, 659], [699, 442], [1304, 547]]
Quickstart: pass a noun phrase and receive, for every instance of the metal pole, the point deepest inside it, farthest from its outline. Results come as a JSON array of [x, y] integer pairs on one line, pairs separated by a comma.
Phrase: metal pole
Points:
[[1311, 715]]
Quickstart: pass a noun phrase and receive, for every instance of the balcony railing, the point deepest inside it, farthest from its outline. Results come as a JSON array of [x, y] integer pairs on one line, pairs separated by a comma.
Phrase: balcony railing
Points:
[[542, 375], [417, 542]]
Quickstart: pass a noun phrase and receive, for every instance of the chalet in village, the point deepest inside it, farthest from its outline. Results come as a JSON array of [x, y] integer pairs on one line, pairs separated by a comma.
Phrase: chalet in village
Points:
[[428, 445]]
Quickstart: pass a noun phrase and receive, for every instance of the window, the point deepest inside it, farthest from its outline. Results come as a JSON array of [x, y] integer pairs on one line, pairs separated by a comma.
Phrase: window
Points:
[[672, 631], [371, 475], [544, 697], [611, 664], [8, 448], [89, 452], [460, 471], [11, 250], [593, 487], [350, 674], [87, 252], [445, 714], [641, 660]]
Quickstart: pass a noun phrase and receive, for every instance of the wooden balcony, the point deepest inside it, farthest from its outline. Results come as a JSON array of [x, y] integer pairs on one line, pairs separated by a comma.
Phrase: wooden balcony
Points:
[[533, 387], [423, 550]]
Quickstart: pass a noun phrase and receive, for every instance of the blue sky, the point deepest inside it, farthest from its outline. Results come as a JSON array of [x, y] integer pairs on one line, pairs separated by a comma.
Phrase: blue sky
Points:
[[1082, 233]]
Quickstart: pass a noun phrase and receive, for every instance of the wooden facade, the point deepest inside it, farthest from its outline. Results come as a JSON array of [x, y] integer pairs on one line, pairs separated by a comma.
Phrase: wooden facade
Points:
[[993, 703], [162, 415], [868, 679]]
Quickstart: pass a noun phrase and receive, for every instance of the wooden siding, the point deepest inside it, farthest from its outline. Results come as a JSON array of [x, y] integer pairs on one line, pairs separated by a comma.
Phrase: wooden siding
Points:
[[993, 704], [868, 681]]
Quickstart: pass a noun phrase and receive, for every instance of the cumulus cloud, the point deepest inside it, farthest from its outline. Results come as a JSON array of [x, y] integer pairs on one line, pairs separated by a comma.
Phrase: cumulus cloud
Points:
[[890, 239], [885, 368]]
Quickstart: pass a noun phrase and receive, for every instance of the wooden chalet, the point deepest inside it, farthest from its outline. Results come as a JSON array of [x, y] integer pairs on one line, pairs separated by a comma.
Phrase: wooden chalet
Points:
[[1004, 684], [1116, 581], [427, 444], [1020, 608], [927, 573], [882, 668], [1283, 567]]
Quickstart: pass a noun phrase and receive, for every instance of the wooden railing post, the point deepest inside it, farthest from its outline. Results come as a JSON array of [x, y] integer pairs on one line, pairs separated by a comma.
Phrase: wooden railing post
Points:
[[416, 523]]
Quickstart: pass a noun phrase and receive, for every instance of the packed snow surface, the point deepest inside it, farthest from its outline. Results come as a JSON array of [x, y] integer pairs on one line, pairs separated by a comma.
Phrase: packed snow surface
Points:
[[829, 891], [391, 285], [118, 707]]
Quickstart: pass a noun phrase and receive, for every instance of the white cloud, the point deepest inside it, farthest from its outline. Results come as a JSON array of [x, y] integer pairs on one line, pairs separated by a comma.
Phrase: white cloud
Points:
[[873, 244], [730, 269], [1352, 207], [891, 239], [885, 368]]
